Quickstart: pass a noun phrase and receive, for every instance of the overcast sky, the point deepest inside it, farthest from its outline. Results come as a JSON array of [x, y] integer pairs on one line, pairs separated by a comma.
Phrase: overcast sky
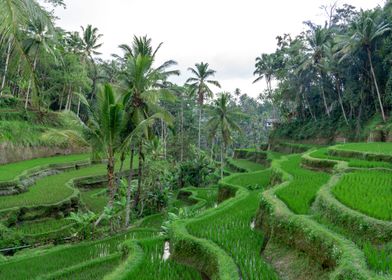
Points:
[[228, 34]]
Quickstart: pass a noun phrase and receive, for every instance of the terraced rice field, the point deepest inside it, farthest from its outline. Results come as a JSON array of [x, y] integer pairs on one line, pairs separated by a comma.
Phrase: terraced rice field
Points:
[[322, 153], [51, 189], [246, 164], [232, 230], [300, 193], [10, 171], [373, 147], [369, 192]]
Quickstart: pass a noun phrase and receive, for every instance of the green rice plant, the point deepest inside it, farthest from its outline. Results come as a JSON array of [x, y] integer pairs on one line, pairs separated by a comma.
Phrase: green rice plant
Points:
[[368, 191], [379, 259], [95, 199], [246, 164], [322, 153], [10, 171], [374, 147], [260, 178], [300, 193], [232, 231], [51, 189], [153, 266], [46, 262], [42, 226]]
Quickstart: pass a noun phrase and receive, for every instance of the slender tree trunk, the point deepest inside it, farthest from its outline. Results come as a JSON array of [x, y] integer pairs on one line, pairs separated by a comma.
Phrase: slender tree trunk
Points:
[[80, 92], [111, 180], [199, 136], [340, 99], [139, 178], [375, 84], [29, 87], [323, 94], [129, 188], [94, 79], [182, 129], [7, 59], [223, 151], [309, 107], [119, 174]]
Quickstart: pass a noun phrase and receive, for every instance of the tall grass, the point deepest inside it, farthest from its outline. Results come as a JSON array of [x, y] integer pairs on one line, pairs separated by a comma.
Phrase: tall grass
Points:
[[374, 147], [246, 164], [322, 153], [12, 170], [232, 230], [300, 193], [368, 191]]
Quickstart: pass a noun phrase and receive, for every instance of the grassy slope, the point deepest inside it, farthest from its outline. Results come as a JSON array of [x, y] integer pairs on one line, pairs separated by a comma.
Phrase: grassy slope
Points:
[[51, 189], [375, 147], [369, 192], [12, 170], [301, 192], [232, 230]]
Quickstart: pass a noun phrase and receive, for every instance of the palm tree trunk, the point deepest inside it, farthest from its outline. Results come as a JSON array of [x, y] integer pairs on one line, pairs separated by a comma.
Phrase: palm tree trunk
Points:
[[7, 59], [375, 84], [199, 136], [94, 79], [222, 159], [182, 129], [80, 92], [139, 179], [28, 88], [340, 99], [129, 188], [323, 94], [111, 180]]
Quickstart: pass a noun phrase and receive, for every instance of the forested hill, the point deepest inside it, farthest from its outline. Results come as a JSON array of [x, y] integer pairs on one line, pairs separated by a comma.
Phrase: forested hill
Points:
[[333, 80]]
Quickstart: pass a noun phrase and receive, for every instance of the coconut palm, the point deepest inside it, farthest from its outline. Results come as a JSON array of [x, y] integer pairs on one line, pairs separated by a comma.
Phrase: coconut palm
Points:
[[15, 16], [146, 86], [39, 37], [90, 47], [199, 82], [365, 30], [265, 69], [223, 123]]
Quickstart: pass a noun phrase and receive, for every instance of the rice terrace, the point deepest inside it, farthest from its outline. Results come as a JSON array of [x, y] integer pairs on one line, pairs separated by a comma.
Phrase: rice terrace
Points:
[[196, 141]]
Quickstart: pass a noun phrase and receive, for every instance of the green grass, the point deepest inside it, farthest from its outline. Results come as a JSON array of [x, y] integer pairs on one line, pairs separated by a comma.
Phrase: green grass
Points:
[[10, 171], [95, 199], [379, 259], [154, 267], [51, 189], [300, 193], [231, 229], [374, 147], [42, 226], [322, 153], [33, 264], [246, 164], [368, 191]]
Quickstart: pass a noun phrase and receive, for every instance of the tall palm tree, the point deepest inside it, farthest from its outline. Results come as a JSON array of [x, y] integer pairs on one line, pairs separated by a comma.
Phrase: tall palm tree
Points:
[[15, 16], [145, 85], [199, 82], [39, 37], [365, 30], [90, 46], [265, 69], [318, 39], [223, 122]]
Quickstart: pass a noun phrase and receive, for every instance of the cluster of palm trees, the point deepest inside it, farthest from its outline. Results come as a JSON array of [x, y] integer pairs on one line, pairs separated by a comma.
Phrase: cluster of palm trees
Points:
[[340, 70]]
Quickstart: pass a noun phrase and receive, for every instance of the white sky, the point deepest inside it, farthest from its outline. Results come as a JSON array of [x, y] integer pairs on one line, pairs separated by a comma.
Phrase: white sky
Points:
[[228, 34]]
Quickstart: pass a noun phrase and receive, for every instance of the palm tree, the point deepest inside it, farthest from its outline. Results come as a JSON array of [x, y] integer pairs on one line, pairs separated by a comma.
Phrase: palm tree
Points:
[[199, 82], [38, 37], [145, 85], [223, 122], [15, 16], [104, 131], [90, 47], [265, 69], [365, 30], [317, 40]]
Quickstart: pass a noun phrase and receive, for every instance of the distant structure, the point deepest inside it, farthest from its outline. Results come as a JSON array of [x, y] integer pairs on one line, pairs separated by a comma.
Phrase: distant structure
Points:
[[271, 123]]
